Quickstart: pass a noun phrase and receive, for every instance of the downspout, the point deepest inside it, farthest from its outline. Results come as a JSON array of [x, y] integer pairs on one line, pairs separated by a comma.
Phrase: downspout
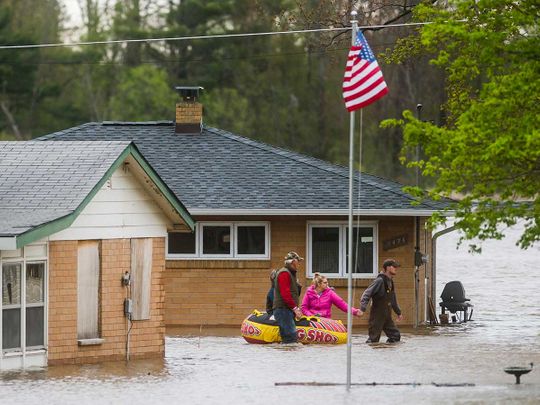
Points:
[[434, 238], [416, 268]]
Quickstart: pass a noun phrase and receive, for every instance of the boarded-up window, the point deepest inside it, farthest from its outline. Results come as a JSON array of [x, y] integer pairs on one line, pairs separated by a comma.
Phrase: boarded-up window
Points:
[[141, 277], [88, 266]]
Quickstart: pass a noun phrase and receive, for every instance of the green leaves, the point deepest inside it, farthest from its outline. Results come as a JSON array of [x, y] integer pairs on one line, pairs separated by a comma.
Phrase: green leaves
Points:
[[489, 150], [143, 94]]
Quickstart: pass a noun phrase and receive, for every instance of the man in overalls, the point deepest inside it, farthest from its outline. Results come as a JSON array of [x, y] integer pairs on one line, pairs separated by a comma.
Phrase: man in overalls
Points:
[[382, 293]]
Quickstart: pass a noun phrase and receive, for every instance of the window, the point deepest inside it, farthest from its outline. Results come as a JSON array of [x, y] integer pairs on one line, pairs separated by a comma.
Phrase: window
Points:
[[11, 305], [325, 249], [35, 303], [182, 243], [363, 250], [216, 240], [222, 240], [328, 246], [23, 298], [251, 239]]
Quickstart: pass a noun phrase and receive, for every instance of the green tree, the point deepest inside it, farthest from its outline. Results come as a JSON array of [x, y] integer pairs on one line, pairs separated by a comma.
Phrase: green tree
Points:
[[17, 75], [262, 81], [410, 81], [33, 86], [488, 151], [143, 94]]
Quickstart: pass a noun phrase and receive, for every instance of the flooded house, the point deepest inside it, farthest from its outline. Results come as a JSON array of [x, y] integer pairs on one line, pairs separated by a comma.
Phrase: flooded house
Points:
[[83, 226], [252, 203]]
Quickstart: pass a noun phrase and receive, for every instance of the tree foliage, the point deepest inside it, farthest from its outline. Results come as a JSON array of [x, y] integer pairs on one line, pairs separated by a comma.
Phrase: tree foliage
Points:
[[281, 89], [17, 77], [488, 150], [480, 93], [133, 102]]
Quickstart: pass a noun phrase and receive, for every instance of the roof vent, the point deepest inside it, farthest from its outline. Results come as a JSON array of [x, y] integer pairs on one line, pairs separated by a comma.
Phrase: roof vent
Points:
[[189, 111]]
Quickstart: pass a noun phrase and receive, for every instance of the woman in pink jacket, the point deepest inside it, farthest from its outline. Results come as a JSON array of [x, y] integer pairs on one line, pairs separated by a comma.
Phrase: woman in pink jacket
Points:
[[319, 298]]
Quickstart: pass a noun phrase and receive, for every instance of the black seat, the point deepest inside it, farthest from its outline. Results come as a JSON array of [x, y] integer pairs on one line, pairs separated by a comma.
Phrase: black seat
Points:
[[454, 300]]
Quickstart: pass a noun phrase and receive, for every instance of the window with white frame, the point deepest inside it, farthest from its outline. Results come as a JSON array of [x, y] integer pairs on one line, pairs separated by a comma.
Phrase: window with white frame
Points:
[[221, 240], [22, 274], [35, 303], [328, 247]]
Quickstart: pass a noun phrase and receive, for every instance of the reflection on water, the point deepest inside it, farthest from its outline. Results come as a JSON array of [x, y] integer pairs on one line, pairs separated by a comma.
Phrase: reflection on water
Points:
[[216, 366]]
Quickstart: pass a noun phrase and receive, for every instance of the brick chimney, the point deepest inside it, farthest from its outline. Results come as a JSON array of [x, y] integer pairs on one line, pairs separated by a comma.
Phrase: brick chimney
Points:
[[189, 111]]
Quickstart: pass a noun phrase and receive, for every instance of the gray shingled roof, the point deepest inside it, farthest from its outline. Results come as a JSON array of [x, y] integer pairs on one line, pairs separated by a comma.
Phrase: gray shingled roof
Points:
[[217, 171], [44, 181]]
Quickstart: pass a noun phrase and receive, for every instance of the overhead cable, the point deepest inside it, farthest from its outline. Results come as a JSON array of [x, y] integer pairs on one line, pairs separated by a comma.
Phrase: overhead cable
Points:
[[196, 37]]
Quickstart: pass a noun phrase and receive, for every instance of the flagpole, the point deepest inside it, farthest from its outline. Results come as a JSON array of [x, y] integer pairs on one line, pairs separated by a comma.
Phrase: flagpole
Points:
[[354, 23]]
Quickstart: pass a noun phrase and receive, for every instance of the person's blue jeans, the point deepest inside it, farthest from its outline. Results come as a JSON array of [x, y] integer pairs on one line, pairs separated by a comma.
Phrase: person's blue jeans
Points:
[[287, 328]]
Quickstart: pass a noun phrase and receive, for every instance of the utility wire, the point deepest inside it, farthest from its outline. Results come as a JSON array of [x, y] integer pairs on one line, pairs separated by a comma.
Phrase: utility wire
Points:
[[185, 60], [168, 39], [82, 62]]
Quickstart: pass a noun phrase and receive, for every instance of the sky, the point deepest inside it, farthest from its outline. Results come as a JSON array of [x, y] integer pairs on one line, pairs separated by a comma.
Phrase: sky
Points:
[[73, 11]]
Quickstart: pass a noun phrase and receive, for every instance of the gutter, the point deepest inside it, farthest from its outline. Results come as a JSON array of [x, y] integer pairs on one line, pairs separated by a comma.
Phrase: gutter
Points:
[[321, 212]]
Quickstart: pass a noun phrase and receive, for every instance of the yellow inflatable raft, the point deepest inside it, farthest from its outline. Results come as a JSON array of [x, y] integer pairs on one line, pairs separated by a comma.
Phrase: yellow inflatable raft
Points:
[[259, 327]]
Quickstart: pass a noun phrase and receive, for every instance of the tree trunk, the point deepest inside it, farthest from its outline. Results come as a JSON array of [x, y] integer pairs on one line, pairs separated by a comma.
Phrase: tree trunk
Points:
[[11, 120]]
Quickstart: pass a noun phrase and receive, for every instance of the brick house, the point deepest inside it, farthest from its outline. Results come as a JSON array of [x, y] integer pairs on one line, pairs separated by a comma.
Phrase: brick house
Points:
[[75, 218], [253, 203]]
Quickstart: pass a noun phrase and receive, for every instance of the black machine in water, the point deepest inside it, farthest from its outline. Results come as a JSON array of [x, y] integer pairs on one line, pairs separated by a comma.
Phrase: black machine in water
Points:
[[454, 300]]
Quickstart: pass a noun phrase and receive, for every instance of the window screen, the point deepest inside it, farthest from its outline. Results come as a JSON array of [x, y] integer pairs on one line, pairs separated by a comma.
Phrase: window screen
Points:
[[34, 326], [251, 240], [325, 248], [181, 243], [216, 240], [363, 254], [11, 302]]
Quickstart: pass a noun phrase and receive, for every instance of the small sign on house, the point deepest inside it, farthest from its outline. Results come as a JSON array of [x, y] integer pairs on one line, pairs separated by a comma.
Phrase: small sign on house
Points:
[[393, 243]]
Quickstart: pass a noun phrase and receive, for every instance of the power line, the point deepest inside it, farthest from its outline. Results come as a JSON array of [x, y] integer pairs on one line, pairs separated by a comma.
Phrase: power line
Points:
[[195, 37], [186, 61], [167, 61]]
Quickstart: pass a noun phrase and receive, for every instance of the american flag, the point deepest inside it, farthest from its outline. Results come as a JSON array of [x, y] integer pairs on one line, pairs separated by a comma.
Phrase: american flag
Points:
[[363, 82]]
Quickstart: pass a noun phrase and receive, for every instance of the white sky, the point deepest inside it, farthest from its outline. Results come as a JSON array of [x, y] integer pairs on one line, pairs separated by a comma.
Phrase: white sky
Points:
[[73, 12]]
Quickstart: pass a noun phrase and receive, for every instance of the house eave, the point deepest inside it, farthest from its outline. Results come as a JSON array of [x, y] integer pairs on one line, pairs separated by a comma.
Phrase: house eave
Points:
[[317, 212]]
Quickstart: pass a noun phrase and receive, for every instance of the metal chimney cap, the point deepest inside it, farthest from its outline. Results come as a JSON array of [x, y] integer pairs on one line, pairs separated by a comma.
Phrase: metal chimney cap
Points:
[[189, 93]]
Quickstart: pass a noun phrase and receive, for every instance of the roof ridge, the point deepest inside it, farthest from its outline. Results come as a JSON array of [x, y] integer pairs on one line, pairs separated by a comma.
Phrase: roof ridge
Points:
[[64, 131], [160, 123], [315, 162]]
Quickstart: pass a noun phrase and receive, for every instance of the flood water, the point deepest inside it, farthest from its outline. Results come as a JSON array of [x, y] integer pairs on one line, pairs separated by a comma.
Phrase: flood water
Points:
[[219, 367]]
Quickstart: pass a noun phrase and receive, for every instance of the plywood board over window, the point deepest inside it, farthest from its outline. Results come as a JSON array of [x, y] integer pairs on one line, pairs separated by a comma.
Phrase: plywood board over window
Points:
[[141, 277], [88, 266]]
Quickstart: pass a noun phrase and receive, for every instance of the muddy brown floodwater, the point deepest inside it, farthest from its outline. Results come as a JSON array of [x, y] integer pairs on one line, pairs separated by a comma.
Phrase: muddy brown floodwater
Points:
[[219, 367]]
